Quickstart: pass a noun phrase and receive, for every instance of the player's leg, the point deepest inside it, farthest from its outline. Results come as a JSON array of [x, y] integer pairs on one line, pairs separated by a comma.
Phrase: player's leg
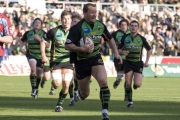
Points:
[[38, 80], [99, 73], [67, 75], [76, 95], [46, 74], [56, 80], [137, 80], [71, 92], [138, 74], [83, 73], [33, 77], [120, 73], [128, 78], [128, 70]]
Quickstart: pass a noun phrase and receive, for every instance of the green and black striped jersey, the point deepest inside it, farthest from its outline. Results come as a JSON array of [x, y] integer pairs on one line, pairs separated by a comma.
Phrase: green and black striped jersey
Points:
[[95, 31], [117, 37], [57, 36], [134, 46], [33, 45]]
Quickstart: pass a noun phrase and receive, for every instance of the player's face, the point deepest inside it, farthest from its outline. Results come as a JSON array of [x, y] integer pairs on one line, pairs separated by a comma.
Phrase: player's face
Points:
[[91, 14], [75, 21], [37, 24], [66, 21], [124, 26], [134, 27]]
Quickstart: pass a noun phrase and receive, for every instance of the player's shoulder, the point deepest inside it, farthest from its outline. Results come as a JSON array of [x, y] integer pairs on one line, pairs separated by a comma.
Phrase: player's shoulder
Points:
[[142, 37]]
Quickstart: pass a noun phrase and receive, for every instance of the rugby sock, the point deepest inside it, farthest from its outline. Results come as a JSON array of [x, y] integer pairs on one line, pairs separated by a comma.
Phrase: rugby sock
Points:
[[38, 82], [105, 97], [33, 80], [129, 94], [75, 85], [125, 90], [71, 92], [62, 97], [52, 86]]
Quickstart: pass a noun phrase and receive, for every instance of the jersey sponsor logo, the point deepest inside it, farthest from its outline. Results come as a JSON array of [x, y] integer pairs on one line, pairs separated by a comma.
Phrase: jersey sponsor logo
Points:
[[30, 34], [68, 41], [30, 38], [133, 47], [95, 37], [59, 35], [127, 42], [120, 36], [86, 30], [139, 41]]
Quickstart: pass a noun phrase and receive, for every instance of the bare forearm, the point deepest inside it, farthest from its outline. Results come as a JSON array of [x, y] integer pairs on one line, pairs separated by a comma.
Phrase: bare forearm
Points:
[[73, 48], [42, 48], [6, 39]]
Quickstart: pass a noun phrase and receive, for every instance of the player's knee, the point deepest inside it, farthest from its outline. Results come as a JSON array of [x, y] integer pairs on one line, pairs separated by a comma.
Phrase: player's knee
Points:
[[103, 83], [137, 85], [84, 95], [128, 84], [57, 79]]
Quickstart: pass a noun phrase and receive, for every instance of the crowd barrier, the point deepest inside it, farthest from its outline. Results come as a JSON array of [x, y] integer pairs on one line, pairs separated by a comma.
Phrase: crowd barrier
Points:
[[158, 67]]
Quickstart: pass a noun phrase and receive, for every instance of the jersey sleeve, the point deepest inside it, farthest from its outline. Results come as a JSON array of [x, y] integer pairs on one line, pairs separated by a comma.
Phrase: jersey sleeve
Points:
[[121, 45], [50, 34], [24, 37], [106, 35], [146, 44], [74, 35], [114, 35]]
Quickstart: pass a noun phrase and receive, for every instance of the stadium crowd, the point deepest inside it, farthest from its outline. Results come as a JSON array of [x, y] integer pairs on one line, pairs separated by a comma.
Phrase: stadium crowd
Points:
[[161, 29]]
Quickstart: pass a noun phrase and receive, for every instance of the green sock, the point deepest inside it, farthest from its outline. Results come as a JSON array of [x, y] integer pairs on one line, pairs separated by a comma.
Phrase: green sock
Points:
[[129, 94], [38, 82], [33, 80], [71, 91], [105, 97], [75, 85], [62, 97]]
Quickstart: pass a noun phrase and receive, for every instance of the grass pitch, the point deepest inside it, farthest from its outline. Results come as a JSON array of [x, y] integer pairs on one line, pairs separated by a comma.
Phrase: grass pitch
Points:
[[157, 99]]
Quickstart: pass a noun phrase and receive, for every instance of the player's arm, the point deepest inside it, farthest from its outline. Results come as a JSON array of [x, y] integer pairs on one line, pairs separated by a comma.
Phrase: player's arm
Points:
[[6, 39], [121, 47], [72, 39], [149, 51], [22, 41], [107, 37], [45, 42]]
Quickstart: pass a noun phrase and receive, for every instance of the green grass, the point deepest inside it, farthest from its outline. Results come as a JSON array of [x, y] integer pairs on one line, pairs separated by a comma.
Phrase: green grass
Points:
[[157, 99]]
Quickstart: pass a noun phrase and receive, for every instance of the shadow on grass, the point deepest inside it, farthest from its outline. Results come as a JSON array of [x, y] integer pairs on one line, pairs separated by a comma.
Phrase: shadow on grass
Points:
[[162, 107]]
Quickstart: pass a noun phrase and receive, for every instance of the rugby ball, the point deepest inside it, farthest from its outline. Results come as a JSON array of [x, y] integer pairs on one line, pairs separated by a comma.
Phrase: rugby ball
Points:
[[86, 40]]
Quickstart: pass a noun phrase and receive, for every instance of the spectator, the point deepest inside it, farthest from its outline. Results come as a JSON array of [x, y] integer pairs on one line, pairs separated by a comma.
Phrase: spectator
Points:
[[169, 39], [158, 44], [177, 39]]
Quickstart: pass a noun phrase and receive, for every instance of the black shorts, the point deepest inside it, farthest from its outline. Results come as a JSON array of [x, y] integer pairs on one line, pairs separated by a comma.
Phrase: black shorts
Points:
[[39, 61], [134, 66], [83, 67], [57, 65], [118, 67]]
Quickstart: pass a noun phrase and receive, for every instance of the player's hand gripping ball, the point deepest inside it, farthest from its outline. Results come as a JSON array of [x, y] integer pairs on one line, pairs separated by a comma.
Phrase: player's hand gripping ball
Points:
[[86, 40]]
